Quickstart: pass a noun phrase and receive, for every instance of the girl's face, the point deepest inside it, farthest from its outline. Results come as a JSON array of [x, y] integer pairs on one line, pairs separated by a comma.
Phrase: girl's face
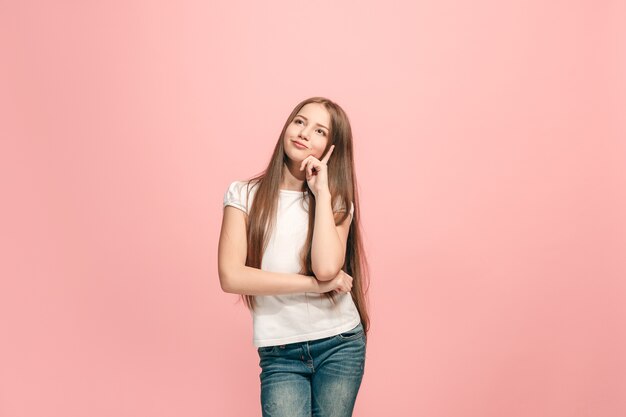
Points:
[[310, 128]]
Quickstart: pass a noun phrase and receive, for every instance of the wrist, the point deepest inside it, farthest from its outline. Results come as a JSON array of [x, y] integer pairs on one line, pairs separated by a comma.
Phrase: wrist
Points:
[[323, 195], [317, 285]]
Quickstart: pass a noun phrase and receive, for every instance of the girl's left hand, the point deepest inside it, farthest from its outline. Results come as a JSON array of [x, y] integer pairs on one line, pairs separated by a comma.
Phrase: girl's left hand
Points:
[[317, 172]]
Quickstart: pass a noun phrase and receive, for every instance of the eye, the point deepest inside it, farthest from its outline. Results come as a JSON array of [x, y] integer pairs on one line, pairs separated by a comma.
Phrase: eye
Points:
[[323, 132], [297, 120]]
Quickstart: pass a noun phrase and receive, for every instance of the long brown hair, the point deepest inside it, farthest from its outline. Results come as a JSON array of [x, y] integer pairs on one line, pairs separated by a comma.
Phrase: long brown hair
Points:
[[343, 188]]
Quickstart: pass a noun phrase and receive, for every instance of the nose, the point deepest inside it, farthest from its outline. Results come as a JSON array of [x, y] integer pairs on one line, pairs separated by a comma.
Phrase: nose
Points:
[[304, 133]]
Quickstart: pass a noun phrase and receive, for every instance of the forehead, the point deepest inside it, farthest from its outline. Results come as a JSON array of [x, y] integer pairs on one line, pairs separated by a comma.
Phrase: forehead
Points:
[[316, 113]]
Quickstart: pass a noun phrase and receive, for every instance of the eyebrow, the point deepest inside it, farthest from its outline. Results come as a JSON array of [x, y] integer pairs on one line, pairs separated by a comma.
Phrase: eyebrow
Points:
[[299, 115]]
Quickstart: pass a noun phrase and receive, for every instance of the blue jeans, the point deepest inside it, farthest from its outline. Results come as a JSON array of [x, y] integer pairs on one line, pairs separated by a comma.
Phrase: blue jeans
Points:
[[319, 378]]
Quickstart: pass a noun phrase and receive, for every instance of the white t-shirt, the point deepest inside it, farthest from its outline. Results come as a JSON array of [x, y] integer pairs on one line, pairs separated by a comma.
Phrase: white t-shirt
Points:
[[290, 318]]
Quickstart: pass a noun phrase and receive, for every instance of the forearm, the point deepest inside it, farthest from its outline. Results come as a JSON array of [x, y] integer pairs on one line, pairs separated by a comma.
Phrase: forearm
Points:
[[326, 250], [254, 281]]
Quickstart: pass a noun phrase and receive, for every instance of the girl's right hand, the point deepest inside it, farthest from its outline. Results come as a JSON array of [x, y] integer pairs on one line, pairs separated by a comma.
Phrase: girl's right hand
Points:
[[341, 283]]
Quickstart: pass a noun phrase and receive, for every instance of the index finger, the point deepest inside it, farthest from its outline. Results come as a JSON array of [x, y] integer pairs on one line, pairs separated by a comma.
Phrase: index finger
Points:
[[327, 156]]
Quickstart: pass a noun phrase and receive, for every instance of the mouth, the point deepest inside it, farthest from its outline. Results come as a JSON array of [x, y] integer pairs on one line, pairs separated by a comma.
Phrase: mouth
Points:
[[299, 145]]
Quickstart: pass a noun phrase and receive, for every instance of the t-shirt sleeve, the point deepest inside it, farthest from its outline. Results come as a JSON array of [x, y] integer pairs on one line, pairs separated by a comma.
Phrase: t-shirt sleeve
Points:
[[235, 196], [342, 207]]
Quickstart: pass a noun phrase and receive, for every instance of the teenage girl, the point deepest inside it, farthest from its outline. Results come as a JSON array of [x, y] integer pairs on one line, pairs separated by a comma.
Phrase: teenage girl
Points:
[[293, 251]]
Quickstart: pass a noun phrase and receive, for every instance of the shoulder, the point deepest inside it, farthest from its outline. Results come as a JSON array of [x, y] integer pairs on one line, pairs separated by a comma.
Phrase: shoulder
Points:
[[238, 194], [236, 186]]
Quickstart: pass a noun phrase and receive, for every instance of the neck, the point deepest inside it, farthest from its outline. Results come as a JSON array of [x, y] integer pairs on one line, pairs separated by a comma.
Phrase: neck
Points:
[[293, 178]]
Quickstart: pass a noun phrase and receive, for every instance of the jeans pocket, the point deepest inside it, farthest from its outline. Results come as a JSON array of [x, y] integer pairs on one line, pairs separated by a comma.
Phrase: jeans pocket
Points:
[[351, 334]]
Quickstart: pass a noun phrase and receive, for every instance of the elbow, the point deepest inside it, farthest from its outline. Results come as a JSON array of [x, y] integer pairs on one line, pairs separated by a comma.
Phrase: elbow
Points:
[[326, 274], [226, 288], [226, 282], [325, 271]]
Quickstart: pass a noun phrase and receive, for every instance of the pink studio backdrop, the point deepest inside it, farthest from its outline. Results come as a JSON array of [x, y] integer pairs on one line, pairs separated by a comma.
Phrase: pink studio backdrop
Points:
[[490, 152]]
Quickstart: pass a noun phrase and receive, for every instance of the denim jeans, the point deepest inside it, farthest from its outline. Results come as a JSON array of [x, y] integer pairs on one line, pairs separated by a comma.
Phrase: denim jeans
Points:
[[319, 378]]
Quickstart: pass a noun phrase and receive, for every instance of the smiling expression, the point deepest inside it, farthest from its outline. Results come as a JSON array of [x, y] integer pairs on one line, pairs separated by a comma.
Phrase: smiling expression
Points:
[[310, 128]]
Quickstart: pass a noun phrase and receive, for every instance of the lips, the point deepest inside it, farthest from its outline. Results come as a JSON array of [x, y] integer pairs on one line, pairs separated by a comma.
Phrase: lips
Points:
[[300, 145]]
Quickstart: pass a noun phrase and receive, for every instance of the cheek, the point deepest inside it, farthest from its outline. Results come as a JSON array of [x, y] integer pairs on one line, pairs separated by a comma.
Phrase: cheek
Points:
[[287, 137], [291, 130], [319, 150]]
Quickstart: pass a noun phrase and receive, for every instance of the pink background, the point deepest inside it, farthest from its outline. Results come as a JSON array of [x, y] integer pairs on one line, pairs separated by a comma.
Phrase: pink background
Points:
[[490, 153]]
